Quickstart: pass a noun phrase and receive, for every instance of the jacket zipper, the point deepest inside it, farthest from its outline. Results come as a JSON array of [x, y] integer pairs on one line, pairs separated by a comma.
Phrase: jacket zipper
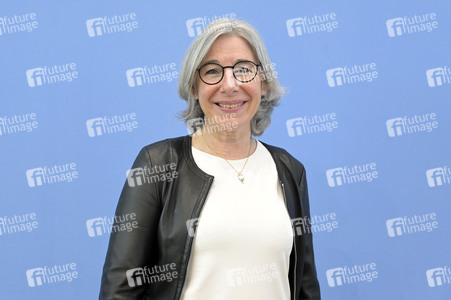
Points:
[[294, 243]]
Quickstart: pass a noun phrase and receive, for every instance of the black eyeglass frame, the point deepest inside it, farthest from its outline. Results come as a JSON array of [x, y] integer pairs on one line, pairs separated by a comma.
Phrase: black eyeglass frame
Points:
[[225, 67]]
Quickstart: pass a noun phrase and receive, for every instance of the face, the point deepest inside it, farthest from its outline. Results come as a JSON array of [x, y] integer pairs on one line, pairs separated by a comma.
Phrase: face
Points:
[[230, 101]]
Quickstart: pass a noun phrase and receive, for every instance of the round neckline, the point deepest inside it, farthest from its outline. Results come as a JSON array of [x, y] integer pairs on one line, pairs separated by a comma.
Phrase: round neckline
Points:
[[221, 158]]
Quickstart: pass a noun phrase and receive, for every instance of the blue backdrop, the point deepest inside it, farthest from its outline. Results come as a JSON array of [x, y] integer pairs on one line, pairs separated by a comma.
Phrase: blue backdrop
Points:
[[86, 84]]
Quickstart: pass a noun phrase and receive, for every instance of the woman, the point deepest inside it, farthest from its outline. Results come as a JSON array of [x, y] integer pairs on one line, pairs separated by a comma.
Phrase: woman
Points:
[[222, 229]]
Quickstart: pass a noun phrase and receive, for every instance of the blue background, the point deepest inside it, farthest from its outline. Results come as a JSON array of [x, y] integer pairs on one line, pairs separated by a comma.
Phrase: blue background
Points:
[[101, 89]]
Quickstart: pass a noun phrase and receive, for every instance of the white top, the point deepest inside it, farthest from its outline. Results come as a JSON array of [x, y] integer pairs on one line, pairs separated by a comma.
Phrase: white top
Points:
[[243, 238]]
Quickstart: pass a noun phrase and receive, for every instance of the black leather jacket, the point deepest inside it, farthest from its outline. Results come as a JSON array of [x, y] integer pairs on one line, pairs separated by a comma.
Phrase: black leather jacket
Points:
[[161, 211]]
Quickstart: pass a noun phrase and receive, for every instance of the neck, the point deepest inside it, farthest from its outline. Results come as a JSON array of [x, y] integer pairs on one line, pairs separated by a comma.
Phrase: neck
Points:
[[234, 144]]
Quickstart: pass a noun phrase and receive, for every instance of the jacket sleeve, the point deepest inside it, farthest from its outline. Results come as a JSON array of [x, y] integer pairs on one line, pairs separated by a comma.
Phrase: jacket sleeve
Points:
[[135, 248], [310, 286]]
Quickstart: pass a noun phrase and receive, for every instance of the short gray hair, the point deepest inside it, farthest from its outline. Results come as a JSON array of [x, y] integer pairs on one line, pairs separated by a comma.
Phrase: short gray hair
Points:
[[199, 49]]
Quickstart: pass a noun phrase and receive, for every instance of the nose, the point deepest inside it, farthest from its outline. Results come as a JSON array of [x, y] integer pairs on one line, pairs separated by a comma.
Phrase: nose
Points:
[[229, 82]]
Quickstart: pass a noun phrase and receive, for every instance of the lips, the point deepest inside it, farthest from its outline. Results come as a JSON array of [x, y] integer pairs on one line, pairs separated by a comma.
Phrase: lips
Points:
[[231, 104]]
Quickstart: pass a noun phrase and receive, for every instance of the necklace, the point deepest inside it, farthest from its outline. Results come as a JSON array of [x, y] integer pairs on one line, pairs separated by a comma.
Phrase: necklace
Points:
[[240, 173]]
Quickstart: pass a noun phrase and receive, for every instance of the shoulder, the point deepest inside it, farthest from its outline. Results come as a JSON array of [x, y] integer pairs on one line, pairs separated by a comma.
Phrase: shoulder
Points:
[[286, 159], [167, 144], [168, 149]]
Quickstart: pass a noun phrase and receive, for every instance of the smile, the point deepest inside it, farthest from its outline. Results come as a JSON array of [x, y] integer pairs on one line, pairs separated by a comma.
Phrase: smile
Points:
[[230, 106]]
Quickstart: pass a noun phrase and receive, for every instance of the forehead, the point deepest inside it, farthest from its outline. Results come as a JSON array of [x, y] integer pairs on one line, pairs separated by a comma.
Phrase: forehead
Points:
[[229, 49]]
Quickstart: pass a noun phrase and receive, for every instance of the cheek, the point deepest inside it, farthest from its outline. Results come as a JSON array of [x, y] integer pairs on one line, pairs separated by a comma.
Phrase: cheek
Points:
[[206, 92], [255, 91]]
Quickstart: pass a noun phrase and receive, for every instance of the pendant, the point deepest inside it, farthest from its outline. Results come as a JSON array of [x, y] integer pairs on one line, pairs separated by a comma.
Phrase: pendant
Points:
[[241, 178]]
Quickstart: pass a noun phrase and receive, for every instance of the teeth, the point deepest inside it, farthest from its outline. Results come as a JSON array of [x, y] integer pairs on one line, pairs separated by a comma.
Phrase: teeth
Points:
[[230, 105]]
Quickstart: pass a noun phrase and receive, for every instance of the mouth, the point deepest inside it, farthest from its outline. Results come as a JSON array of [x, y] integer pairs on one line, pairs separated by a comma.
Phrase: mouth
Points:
[[231, 105]]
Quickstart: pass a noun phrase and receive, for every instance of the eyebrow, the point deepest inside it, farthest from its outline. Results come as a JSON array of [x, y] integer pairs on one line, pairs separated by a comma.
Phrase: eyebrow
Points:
[[217, 61]]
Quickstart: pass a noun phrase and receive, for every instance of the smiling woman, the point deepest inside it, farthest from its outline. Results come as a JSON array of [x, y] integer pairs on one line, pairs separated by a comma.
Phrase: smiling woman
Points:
[[228, 214], [248, 47]]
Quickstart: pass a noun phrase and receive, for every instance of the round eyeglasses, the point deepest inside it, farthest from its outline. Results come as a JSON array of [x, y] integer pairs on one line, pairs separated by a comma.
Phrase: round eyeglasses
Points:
[[243, 71]]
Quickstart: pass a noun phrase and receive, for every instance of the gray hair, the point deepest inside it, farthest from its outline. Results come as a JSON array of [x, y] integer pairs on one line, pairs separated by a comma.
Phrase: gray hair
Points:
[[199, 49]]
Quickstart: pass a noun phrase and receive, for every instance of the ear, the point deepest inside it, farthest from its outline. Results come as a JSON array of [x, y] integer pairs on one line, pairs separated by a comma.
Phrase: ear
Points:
[[264, 88], [195, 93]]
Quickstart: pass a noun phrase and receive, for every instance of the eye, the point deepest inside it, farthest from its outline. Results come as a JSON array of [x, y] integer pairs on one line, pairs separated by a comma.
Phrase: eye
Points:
[[211, 70], [242, 70], [245, 68]]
